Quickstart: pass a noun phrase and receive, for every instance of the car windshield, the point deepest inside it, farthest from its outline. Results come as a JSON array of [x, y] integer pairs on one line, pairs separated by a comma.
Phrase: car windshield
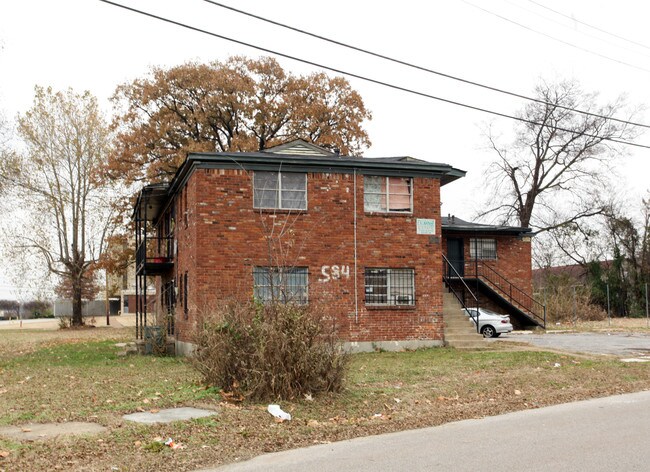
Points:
[[490, 312]]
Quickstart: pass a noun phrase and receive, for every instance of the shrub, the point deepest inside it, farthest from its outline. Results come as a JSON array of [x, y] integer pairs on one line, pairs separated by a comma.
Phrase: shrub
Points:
[[565, 301], [269, 352], [43, 314]]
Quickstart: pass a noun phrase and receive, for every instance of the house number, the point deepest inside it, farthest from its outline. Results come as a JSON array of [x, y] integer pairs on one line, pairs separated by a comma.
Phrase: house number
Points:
[[334, 272]]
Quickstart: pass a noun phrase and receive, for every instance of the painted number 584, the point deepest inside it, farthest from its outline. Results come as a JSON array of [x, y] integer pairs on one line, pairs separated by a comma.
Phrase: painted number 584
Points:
[[334, 272]]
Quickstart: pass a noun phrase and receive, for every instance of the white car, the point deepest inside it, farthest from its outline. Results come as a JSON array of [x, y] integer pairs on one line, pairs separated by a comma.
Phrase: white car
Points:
[[491, 324]]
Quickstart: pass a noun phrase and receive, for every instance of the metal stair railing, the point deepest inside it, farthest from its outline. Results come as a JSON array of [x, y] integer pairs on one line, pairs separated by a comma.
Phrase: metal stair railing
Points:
[[513, 294], [450, 273]]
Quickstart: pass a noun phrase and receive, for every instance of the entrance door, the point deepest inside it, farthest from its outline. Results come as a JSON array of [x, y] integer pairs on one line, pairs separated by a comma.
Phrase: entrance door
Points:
[[456, 256]]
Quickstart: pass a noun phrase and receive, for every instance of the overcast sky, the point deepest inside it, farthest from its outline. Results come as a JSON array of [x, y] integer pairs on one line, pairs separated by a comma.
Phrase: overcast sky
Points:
[[89, 45]]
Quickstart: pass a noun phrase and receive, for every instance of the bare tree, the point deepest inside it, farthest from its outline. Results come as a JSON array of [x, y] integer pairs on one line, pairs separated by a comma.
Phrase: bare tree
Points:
[[56, 187], [551, 174]]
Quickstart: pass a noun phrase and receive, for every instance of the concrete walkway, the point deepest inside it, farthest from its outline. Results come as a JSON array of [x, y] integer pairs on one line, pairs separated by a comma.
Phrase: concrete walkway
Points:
[[596, 435]]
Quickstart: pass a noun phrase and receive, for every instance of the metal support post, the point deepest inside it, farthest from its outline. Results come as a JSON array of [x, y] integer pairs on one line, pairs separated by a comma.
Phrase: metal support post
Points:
[[609, 312], [646, 306], [575, 307]]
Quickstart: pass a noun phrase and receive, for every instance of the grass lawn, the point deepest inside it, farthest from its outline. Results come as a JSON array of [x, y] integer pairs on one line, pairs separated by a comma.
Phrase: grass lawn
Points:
[[77, 376]]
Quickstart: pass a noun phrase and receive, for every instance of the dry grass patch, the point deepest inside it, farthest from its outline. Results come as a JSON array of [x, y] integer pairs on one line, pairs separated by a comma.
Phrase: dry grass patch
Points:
[[639, 325], [82, 379]]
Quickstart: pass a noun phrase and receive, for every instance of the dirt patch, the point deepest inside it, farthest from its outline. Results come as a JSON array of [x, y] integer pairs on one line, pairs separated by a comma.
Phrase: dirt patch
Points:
[[615, 324]]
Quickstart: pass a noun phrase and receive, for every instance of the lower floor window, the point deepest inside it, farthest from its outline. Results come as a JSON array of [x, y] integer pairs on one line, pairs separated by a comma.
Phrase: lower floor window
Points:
[[280, 284], [390, 286]]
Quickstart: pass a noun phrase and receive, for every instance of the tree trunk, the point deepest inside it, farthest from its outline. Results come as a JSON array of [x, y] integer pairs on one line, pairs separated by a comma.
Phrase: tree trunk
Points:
[[77, 318]]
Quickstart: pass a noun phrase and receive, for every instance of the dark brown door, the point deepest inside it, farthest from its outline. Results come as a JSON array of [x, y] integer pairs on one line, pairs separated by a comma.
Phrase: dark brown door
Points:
[[456, 256]]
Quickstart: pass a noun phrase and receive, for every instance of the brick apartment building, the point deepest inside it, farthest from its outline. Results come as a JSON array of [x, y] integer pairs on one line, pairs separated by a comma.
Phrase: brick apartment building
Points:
[[361, 238]]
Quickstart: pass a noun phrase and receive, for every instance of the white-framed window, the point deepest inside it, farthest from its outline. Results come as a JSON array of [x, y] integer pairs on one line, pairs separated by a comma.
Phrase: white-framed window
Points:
[[483, 248], [387, 194], [280, 284], [280, 190], [390, 286]]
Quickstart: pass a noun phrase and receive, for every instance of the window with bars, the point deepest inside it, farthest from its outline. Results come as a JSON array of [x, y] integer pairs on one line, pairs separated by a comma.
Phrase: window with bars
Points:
[[390, 286], [387, 194], [281, 284], [483, 248], [280, 190]]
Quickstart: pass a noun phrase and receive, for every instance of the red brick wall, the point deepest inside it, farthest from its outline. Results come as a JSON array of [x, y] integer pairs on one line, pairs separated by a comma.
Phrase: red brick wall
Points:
[[226, 238], [513, 258], [185, 259]]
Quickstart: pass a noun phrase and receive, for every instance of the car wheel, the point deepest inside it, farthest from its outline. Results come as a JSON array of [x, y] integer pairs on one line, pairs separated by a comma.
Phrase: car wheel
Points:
[[488, 331]]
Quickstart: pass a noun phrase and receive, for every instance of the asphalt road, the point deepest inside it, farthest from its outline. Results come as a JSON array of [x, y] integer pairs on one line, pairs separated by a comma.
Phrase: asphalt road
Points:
[[617, 344], [596, 435]]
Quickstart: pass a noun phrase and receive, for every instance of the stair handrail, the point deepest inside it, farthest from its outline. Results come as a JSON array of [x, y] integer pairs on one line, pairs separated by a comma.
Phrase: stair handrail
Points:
[[461, 299], [523, 299]]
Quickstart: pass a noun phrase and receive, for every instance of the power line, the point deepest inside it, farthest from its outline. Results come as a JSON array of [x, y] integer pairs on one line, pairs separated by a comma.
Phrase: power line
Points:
[[554, 38], [421, 68], [564, 25], [357, 76], [590, 26]]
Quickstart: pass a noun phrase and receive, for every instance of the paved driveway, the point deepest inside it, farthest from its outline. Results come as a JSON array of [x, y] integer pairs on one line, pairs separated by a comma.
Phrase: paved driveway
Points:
[[617, 344]]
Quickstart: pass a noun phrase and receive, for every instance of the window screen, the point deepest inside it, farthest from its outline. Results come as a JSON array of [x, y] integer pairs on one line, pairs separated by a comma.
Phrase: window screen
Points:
[[387, 194], [284, 285], [280, 190]]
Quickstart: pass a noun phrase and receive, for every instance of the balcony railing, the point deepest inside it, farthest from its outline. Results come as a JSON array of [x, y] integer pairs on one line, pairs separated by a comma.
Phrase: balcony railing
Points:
[[156, 250]]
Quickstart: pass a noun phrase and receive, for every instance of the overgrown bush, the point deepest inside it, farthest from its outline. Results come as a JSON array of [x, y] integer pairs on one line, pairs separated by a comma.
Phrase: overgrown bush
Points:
[[567, 301], [269, 352]]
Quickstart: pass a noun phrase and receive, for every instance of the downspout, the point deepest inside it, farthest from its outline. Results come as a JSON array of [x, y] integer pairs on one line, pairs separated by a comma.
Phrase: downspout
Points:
[[356, 291]]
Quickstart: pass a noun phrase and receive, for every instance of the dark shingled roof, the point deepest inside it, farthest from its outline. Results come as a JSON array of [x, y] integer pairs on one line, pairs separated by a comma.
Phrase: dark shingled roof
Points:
[[296, 156], [455, 224]]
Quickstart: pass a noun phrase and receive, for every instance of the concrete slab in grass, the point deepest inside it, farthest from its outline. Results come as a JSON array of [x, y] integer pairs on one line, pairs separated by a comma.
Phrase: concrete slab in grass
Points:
[[169, 415], [43, 431]]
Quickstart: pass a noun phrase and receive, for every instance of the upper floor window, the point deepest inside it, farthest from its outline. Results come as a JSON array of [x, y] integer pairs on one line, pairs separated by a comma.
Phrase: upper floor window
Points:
[[280, 190], [483, 248], [387, 194], [280, 284]]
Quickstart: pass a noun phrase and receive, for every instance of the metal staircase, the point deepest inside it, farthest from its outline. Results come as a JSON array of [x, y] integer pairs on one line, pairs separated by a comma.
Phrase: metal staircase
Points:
[[459, 331], [485, 282], [519, 304]]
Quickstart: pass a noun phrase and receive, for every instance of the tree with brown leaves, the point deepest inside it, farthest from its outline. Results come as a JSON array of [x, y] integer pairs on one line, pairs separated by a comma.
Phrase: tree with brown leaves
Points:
[[56, 197], [237, 105]]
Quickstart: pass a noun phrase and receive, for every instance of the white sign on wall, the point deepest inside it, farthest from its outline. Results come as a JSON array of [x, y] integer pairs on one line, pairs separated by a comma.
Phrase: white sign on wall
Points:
[[425, 226]]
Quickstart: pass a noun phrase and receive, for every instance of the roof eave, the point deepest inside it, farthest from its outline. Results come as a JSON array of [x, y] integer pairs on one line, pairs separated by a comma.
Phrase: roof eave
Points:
[[514, 230]]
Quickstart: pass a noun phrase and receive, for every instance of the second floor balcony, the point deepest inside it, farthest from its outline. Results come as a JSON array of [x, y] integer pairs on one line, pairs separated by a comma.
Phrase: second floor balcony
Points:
[[155, 256]]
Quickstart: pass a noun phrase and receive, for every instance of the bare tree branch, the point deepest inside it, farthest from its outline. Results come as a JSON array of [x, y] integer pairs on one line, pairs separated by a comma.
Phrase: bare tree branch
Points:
[[547, 168]]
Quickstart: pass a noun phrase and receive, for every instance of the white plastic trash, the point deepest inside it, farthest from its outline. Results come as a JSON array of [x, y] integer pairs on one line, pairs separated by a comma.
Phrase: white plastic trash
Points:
[[276, 411]]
